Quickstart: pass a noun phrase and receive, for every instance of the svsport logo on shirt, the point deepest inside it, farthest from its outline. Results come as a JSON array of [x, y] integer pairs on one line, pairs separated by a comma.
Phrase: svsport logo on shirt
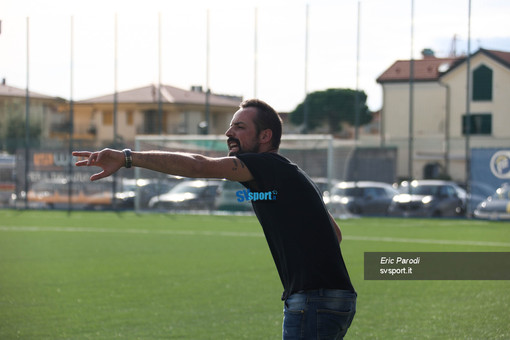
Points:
[[247, 195]]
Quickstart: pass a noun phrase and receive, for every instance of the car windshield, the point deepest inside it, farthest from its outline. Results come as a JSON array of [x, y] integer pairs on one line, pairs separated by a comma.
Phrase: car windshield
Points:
[[425, 190], [347, 191], [188, 187]]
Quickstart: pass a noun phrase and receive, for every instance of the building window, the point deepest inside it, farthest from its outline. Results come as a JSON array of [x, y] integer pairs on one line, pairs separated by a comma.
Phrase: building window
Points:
[[153, 123], [482, 83], [107, 118], [479, 124]]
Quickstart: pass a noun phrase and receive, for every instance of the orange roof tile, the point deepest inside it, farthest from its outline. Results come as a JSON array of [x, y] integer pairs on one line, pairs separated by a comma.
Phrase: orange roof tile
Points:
[[428, 69], [431, 68]]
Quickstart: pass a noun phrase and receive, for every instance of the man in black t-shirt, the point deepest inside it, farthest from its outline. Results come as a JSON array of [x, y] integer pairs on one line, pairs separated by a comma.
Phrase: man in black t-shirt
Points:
[[294, 219], [320, 301]]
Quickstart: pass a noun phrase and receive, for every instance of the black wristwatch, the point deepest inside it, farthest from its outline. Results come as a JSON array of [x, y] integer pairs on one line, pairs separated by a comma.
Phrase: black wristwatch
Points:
[[128, 157]]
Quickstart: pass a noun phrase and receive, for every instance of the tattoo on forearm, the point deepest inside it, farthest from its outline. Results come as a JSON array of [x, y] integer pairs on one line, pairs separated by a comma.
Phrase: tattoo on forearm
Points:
[[235, 164]]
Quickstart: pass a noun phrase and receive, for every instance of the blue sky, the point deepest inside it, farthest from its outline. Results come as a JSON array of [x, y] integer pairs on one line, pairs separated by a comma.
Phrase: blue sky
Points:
[[385, 36]]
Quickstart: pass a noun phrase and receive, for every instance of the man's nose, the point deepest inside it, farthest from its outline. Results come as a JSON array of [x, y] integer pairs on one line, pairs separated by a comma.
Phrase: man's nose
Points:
[[228, 133]]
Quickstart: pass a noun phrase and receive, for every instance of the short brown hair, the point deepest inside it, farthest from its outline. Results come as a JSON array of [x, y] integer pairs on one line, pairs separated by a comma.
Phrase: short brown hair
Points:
[[266, 118]]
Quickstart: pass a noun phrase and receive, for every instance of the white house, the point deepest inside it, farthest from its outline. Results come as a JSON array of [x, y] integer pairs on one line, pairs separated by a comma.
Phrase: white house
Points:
[[434, 127]]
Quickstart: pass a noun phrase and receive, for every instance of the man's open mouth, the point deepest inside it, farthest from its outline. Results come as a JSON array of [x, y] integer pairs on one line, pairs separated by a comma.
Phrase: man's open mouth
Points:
[[233, 144]]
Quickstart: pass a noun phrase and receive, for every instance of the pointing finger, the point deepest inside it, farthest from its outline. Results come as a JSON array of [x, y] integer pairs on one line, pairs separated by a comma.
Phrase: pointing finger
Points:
[[81, 153]]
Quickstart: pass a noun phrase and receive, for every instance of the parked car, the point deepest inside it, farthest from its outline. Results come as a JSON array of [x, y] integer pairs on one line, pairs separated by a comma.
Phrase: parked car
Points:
[[231, 198], [496, 206], [128, 189], [479, 192], [428, 198], [54, 194], [324, 184], [188, 195], [360, 198]]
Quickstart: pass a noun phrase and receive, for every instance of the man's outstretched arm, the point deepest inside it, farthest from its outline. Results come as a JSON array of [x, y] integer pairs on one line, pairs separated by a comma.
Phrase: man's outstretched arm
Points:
[[179, 164]]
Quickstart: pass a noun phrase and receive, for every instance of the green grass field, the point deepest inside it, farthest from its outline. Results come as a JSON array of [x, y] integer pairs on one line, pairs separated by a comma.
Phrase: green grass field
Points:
[[89, 275]]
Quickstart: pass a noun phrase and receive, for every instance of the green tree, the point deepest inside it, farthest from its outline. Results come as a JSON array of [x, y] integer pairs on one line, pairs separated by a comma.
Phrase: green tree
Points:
[[15, 134], [332, 106]]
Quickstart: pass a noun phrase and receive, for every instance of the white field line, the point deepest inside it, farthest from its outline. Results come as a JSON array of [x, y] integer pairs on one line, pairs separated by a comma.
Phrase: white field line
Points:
[[428, 241], [132, 231], [247, 234]]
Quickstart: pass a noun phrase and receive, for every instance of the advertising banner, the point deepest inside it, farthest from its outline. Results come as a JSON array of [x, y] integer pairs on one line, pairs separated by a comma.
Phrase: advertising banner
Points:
[[490, 176]]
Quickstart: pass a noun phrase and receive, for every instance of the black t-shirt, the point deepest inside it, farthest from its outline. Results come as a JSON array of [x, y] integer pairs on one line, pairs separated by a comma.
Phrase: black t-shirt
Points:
[[297, 225]]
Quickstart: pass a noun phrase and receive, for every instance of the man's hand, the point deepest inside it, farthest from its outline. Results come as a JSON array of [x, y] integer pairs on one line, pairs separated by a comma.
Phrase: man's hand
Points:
[[107, 159], [173, 163]]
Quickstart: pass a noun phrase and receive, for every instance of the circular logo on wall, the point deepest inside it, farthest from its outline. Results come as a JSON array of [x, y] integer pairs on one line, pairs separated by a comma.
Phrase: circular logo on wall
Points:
[[500, 164]]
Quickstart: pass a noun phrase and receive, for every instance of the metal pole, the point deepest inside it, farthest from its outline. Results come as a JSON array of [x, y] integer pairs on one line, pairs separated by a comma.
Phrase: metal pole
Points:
[[115, 85], [255, 54], [115, 108], [71, 120], [208, 91], [27, 117], [356, 98], [160, 103], [447, 129], [137, 176], [306, 103], [331, 158], [468, 109], [411, 98]]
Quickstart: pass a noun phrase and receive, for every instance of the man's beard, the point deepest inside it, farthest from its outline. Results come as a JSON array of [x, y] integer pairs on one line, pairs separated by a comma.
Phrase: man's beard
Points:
[[239, 150]]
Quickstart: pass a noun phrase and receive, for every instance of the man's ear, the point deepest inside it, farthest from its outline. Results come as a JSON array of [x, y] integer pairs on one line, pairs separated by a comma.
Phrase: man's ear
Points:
[[265, 136]]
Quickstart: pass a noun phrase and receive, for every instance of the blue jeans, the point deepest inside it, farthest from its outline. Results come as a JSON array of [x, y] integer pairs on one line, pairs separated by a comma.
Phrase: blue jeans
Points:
[[318, 314]]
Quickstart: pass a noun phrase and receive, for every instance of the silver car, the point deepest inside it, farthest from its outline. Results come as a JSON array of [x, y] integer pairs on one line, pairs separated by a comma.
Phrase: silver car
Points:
[[428, 198], [497, 206], [188, 195], [360, 198]]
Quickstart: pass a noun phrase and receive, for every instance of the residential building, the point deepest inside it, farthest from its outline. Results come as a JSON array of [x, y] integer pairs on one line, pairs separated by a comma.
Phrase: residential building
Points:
[[147, 110], [432, 132], [43, 117]]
